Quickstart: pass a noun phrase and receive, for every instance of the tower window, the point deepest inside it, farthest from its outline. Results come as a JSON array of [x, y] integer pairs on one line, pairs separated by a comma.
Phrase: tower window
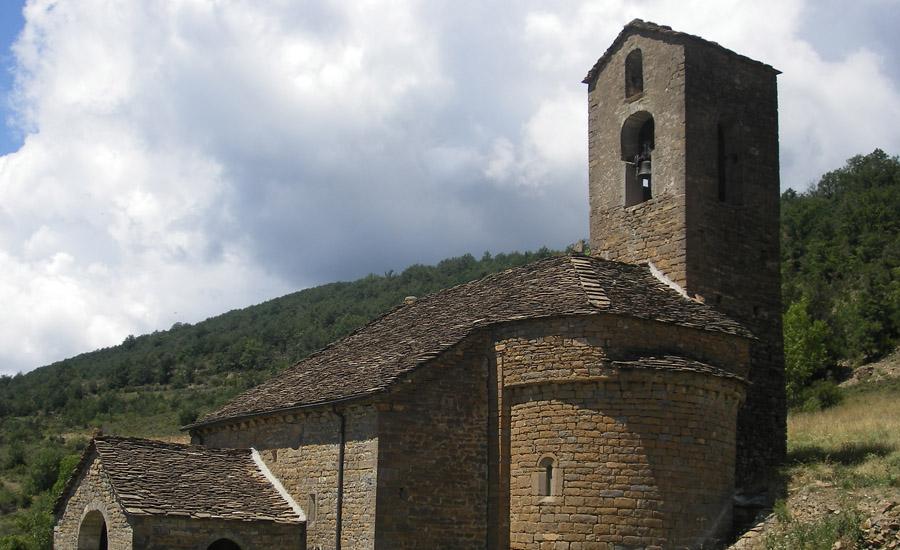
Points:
[[638, 143], [634, 73], [728, 163]]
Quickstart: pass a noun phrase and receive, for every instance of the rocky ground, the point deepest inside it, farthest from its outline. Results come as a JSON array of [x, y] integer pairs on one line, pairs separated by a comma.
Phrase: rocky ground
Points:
[[885, 369]]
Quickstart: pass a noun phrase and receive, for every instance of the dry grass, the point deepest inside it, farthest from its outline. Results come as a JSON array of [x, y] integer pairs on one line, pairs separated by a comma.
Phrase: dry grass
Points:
[[843, 465], [854, 444]]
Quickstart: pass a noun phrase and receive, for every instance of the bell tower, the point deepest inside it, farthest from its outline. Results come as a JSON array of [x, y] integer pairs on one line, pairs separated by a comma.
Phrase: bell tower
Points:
[[683, 162]]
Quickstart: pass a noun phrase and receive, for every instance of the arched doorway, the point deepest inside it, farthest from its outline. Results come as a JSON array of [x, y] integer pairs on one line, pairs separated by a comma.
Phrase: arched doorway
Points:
[[224, 544], [92, 532]]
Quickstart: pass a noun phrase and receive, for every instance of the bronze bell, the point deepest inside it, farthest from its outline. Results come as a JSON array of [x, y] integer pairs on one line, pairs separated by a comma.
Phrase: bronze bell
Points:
[[643, 168]]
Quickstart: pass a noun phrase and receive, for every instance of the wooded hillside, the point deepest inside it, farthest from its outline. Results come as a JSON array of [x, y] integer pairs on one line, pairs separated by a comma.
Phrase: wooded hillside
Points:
[[840, 251]]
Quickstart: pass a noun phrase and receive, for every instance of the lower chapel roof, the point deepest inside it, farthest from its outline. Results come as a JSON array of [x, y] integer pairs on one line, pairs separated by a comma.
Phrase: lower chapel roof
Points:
[[152, 478], [372, 358]]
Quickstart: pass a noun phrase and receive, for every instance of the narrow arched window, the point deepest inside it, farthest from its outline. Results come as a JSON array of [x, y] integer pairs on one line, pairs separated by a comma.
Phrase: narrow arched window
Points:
[[547, 477], [638, 142], [634, 73]]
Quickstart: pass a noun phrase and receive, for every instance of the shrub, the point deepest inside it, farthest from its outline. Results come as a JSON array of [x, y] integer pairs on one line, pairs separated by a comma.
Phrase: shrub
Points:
[[43, 470], [15, 542], [66, 468], [781, 511], [187, 415], [15, 455], [821, 395], [9, 500]]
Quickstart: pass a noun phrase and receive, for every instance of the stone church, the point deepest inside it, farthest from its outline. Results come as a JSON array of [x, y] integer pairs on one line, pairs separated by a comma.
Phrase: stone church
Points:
[[631, 398]]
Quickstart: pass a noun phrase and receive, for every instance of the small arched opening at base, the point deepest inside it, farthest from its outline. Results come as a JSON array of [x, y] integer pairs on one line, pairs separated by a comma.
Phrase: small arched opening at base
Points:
[[224, 544], [92, 532]]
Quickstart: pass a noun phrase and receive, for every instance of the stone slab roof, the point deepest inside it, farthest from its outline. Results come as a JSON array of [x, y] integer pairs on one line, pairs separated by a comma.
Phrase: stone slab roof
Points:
[[639, 26], [375, 356], [158, 478], [676, 363]]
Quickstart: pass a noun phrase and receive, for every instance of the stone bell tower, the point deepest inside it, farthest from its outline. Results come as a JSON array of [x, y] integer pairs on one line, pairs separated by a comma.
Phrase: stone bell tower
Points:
[[683, 149]]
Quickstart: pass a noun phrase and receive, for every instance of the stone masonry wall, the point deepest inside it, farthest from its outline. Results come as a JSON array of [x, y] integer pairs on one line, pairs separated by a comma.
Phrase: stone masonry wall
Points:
[[432, 474], [301, 450], [725, 251], [733, 244], [653, 229], [646, 457], [92, 492], [172, 533]]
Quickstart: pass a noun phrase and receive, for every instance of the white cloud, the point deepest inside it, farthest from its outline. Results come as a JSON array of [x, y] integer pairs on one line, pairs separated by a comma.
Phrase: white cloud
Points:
[[183, 157]]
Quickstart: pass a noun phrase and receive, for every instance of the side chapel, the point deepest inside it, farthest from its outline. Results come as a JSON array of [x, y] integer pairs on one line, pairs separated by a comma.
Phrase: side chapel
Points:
[[632, 398]]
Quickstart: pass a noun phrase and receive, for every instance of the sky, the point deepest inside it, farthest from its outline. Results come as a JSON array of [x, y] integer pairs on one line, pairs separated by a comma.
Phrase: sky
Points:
[[165, 161]]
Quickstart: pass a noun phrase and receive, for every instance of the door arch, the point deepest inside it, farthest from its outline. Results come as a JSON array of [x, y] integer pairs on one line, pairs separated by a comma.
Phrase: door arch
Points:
[[92, 532]]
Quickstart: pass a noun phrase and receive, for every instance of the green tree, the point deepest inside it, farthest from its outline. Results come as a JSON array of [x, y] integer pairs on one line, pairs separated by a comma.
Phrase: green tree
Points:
[[841, 251], [805, 350]]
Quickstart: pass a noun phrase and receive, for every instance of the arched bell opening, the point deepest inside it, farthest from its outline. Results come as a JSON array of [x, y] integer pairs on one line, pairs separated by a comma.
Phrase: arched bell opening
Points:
[[92, 532], [638, 143]]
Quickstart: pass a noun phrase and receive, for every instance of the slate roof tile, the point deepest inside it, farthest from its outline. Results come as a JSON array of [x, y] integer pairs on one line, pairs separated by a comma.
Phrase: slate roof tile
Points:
[[676, 363], [373, 357], [159, 478]]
